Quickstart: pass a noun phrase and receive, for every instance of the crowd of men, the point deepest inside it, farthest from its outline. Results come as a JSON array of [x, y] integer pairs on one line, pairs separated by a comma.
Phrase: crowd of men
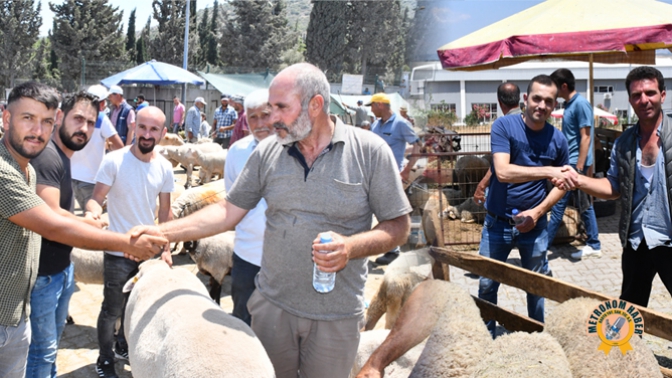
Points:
[[294, 171]]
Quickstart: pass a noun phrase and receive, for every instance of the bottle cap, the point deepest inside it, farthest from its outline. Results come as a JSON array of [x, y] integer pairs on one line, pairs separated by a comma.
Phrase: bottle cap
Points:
[[325, 238], [514, 212]]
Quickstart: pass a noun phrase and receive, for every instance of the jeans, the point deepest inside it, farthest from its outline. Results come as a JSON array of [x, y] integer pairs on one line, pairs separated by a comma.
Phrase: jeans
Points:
[[176, 128], [49, 309], [14, 343], [587, 216], [83, 192], [242, 287], [498, 238], [116, 271]]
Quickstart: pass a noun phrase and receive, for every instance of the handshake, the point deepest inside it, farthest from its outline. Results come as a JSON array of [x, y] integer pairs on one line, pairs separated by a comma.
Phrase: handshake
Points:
[[566, 178], [145, 242]]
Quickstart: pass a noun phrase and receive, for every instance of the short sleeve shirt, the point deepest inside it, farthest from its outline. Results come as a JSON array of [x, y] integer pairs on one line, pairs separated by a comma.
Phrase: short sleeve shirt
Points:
[[526, 148], [19, 248], [225, 117], [346, 184], [578, 114], [396, 132]]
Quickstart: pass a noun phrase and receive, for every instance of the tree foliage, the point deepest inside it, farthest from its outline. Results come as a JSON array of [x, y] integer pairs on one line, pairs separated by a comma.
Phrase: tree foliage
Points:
[[20, 23], [130, 36], [255, 36], [87, 38], [326, 40], [168, 44], [212, 38]]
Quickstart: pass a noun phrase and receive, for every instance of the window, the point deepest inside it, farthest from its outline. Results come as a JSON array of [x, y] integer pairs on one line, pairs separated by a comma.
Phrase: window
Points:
[[443, 107], [486, 112], [621, 113], [603, 89]]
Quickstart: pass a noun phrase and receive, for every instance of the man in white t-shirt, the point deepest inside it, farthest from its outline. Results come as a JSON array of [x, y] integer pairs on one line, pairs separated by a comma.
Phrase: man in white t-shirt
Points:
[[85, 162], [131, 178], [249, 241]]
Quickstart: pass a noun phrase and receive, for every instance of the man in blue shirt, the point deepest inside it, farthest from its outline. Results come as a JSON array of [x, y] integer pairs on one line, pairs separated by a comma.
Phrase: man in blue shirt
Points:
[[224, 123], [192, 123], [640, 177], [397, 132], [578, 126], [526, 151]]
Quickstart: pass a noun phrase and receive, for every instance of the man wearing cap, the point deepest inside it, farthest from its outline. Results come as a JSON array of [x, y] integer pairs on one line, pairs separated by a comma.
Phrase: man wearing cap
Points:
[[222, 126], [360, 112], [123, 116], [396, 132], [192, 124], [85, 162], [404, 113], [241, 129], [141, 102]]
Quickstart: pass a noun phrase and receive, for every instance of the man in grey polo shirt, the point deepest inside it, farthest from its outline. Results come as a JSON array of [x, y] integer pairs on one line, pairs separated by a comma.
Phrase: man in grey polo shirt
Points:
[[316, 175]]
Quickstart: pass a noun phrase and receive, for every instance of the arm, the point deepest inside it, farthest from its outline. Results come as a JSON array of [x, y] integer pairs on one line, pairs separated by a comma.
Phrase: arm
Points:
[[479, 194], [533, 215], [513, 174], [95, 204], [165, 215], [382, 238], [115, 142], [129, 134], [411, 162], [52, 197], [584, 147]]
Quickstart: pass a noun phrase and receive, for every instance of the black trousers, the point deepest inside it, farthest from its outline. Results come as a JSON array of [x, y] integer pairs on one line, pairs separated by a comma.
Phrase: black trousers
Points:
[[639, 269]]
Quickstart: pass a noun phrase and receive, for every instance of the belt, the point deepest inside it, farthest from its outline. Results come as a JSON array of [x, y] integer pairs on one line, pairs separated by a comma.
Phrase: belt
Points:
[[510, 221]]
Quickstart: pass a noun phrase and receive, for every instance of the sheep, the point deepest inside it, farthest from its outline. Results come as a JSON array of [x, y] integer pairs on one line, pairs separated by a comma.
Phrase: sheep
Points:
[[175, 330], [88, 266], [524, 355], [214, 257], [567, 323], [468, 212], [194, 199], [177, 155], [469, 171], [370, 340], [211, 164], [204, 140], [401, 277], [171, 140]]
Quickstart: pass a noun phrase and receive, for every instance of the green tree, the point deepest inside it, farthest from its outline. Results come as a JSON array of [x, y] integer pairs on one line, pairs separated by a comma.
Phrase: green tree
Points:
[[203, 32], [41, 65], [212, 45], [255, 35], [130, 36], [20, 24], [88, 40], [168, 44], [326, 39]]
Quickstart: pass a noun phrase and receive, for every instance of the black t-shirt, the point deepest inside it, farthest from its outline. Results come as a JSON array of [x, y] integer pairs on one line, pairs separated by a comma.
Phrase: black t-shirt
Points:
[[53, 169]]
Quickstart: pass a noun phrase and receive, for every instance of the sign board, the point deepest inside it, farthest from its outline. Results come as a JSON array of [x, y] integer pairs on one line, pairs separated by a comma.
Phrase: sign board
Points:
[[352, 84]]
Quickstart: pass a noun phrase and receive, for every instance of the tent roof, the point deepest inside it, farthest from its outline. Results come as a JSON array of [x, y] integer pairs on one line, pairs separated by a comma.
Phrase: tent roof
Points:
[[243, 84]]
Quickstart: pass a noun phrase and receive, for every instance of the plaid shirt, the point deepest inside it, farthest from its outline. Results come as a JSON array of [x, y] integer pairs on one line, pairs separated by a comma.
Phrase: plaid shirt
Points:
[[225, 117], [19, 248]]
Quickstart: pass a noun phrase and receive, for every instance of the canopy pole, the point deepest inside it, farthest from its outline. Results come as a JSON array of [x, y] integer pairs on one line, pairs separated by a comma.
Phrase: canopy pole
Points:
[[591, 85]]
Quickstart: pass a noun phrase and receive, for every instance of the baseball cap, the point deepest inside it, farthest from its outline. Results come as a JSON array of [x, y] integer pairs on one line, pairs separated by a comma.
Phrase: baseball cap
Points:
[[223, 97], [238, 98], [99, 91], [200, 99], [360, 102], [115, 89], [403, 109], [380, 98]]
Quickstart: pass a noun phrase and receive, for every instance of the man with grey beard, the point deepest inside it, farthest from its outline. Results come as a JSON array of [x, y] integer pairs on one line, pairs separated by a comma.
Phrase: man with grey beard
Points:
[[317, 175]]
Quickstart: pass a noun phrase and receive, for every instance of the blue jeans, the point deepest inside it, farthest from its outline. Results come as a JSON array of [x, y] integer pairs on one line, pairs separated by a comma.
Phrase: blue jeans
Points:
[[497, 240], [116, 271], [49, 302], [242, 287], [14, 349], [587, 216]]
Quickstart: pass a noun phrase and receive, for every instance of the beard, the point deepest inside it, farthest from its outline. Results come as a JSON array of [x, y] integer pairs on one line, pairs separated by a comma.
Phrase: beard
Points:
[[17, 145], [69, 140], [143, 149], [298, 130]]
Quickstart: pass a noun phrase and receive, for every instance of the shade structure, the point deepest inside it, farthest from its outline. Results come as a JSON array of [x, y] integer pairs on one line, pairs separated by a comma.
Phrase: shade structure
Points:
[[605, 31], [597, 112], [155, 73]]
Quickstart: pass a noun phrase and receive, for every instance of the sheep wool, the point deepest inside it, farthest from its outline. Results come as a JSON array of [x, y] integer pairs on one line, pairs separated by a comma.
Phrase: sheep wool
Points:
[[88, 266], [175, 330], [524, 355], [567, 323], [194, 199]]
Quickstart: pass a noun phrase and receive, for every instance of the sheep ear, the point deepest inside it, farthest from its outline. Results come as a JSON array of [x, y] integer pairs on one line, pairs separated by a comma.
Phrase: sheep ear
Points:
[[130, 284]]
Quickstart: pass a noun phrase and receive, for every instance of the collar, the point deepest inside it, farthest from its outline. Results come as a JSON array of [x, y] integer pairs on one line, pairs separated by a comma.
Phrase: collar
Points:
[[658, 129], [572, 99], [392, 118]]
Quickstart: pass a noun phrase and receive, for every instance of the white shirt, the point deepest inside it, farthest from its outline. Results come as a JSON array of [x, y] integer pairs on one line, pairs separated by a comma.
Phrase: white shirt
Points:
[[249, 241], [85, 162]]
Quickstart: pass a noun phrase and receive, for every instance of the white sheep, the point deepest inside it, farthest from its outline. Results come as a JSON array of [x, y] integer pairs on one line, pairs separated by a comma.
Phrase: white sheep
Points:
[[174, 330], [214, 257], [567, 323], [468, 212], [370, 340], [194, 199], [401, 277], [204, 140], [88, 266], [211, 164], [523, 355], [178, 155], [171, 140]]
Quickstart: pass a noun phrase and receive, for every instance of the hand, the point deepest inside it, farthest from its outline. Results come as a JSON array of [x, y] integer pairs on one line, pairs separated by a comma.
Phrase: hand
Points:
[[479, 195], [336, 258], [145, 229], [565, 178], [369, 372], [404, 176], [222, 129], [94, 220], [529, 222], [144, 247], [167, 256]]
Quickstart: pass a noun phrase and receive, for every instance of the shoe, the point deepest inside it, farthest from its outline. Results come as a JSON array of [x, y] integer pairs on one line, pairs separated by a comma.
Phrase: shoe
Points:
[[120, 352], [105, 369], [387, 258], [586, 252]]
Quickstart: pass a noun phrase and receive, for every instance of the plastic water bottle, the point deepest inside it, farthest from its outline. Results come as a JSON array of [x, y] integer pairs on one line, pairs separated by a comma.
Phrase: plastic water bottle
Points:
[[516, 219], [323, 282]]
